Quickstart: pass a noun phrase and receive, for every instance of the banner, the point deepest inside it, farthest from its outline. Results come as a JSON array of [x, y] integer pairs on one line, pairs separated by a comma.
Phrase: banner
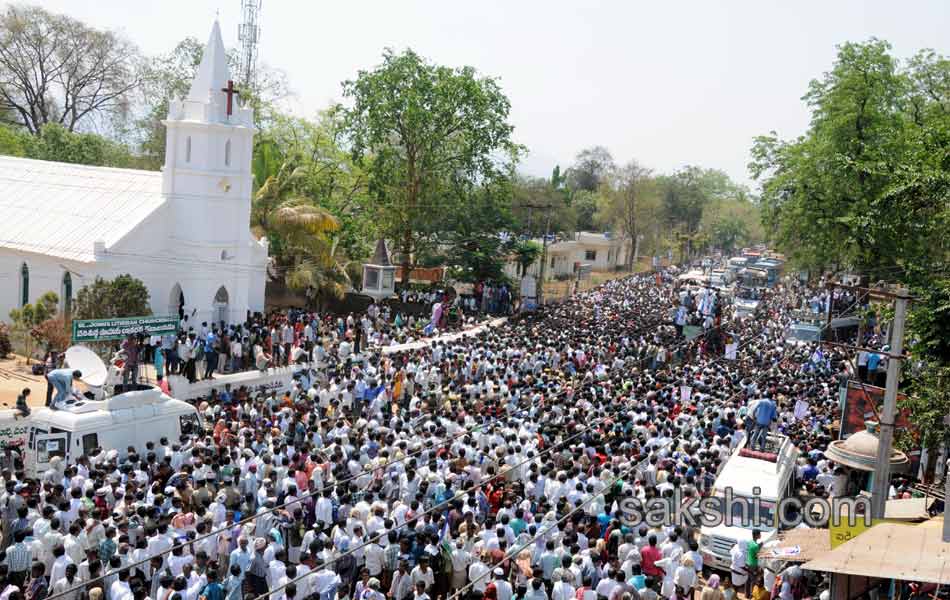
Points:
[[864, 402], [97, 330]]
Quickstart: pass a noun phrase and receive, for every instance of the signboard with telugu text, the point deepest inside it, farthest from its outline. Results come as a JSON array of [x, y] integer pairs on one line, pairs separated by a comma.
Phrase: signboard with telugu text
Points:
[[845, 530], [97, 330]]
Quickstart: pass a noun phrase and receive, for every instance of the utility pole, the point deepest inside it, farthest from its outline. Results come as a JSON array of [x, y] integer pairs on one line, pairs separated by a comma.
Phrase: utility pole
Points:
[[882, 477], [544, 256]]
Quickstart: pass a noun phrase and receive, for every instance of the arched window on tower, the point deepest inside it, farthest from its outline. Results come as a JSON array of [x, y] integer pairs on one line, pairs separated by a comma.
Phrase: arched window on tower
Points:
[[227, 153], [188, 149], [24, 285]]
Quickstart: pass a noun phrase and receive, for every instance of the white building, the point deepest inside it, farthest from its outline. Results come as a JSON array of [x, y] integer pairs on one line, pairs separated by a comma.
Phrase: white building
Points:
[[183, 231], [601, 251]]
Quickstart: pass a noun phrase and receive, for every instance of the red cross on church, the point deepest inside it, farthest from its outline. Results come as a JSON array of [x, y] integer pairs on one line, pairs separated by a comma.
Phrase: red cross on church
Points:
[[231, 92]]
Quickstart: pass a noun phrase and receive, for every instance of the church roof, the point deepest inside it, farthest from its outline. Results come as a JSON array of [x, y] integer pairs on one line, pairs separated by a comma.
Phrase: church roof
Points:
[[213, 73], [62, 209]]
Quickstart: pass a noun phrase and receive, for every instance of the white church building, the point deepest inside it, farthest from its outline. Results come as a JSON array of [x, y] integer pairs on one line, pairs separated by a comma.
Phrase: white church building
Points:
[[184, 231]]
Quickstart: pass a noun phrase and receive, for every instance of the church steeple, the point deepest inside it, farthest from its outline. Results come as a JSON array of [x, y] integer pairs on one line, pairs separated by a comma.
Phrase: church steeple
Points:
[[208, 147], [212, 94], [213, 73]]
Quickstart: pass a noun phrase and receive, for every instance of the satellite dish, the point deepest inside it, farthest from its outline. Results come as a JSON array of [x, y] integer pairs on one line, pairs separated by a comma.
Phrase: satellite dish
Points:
[[83, 359]]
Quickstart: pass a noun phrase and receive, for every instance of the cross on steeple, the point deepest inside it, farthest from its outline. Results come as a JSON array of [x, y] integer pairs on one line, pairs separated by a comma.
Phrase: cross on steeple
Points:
[[231, 92]]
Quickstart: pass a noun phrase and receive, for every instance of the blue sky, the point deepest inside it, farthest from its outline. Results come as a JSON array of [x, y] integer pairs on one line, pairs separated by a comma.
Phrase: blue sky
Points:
[[665, 83]]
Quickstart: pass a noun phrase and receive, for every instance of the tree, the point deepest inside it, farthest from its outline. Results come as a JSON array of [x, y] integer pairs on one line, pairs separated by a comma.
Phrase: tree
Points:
[[684, 201], [124, 296], [422, 132], [584, 205], [55, 69], [299, 229], [5, 346], [825, 194], [527, 252], [53, 334], [728, 232], [475, 246], [620, 199], [57, 143], [168, 77], [28, 317], [591, 167], [13, 141], [540, 205], [165, 78], [868, 188]]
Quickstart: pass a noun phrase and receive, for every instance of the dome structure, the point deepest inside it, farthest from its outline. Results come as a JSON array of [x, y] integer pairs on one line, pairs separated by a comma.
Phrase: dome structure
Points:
[[859, 451]]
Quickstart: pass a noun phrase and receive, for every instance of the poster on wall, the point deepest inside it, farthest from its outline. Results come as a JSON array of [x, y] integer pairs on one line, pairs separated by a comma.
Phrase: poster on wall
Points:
[[863, 402]]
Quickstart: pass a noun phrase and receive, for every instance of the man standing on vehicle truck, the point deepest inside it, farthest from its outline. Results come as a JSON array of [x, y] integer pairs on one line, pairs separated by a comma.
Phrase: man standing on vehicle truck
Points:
[[764, 413], [62, 381]]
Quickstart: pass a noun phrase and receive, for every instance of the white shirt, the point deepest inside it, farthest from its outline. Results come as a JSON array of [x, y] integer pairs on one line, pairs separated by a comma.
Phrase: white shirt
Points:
[[120, 590]]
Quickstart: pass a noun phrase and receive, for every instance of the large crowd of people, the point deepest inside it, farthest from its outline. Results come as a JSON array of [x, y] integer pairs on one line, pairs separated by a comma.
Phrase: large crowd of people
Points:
[[488, 466]]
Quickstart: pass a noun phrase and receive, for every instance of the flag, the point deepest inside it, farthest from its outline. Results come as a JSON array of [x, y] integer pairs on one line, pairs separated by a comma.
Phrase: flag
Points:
[[445, 536]]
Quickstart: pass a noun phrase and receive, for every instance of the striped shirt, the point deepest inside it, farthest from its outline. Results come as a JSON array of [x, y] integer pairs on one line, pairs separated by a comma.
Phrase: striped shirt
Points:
[[19, 558]]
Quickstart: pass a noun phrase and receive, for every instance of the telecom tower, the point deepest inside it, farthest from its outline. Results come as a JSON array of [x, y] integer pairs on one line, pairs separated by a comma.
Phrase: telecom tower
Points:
[[249, 32]]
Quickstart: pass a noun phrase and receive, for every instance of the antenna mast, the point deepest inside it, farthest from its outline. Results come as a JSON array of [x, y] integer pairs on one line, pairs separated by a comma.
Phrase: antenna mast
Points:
[[249, 33]]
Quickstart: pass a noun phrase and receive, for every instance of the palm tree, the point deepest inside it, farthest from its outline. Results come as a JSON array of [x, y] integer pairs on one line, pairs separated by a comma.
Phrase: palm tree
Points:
[[526, 253], [299, 230]]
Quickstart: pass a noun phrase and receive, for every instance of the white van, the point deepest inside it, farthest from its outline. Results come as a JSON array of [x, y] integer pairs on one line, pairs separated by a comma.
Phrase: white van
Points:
[[131, 418], [773, 473], [113, 416]]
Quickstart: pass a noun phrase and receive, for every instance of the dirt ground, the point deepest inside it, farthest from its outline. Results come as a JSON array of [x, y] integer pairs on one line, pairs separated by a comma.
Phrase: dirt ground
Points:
[[16, 375]]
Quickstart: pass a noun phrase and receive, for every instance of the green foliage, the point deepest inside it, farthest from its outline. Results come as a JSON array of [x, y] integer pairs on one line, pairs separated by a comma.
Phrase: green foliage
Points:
[[729, 232], [27, 318], [168, 77], [627, 204], [476, 249], [5, 346], [124, 296], [13, 142], [54, 142], [165, 78], [31, 315], [685, 197], [584, 205], [868, 188], [423, 133], [540, 205], [526, 253], [312, 205]]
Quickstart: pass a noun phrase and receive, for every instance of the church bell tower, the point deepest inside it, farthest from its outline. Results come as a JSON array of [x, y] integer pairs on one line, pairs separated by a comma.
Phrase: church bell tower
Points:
[[207, 185], [208, 147]]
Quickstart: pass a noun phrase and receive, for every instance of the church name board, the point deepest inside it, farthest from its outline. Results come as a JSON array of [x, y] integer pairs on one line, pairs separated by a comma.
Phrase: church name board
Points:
[[97, 330]]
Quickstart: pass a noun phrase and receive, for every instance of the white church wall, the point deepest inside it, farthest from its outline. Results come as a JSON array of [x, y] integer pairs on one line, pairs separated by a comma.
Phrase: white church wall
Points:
[[46, 274]]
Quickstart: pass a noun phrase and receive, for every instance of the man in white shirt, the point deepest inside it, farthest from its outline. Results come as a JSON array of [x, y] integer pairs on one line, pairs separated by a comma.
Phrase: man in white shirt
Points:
[[477, 575], [503, 589], [120, 589]]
